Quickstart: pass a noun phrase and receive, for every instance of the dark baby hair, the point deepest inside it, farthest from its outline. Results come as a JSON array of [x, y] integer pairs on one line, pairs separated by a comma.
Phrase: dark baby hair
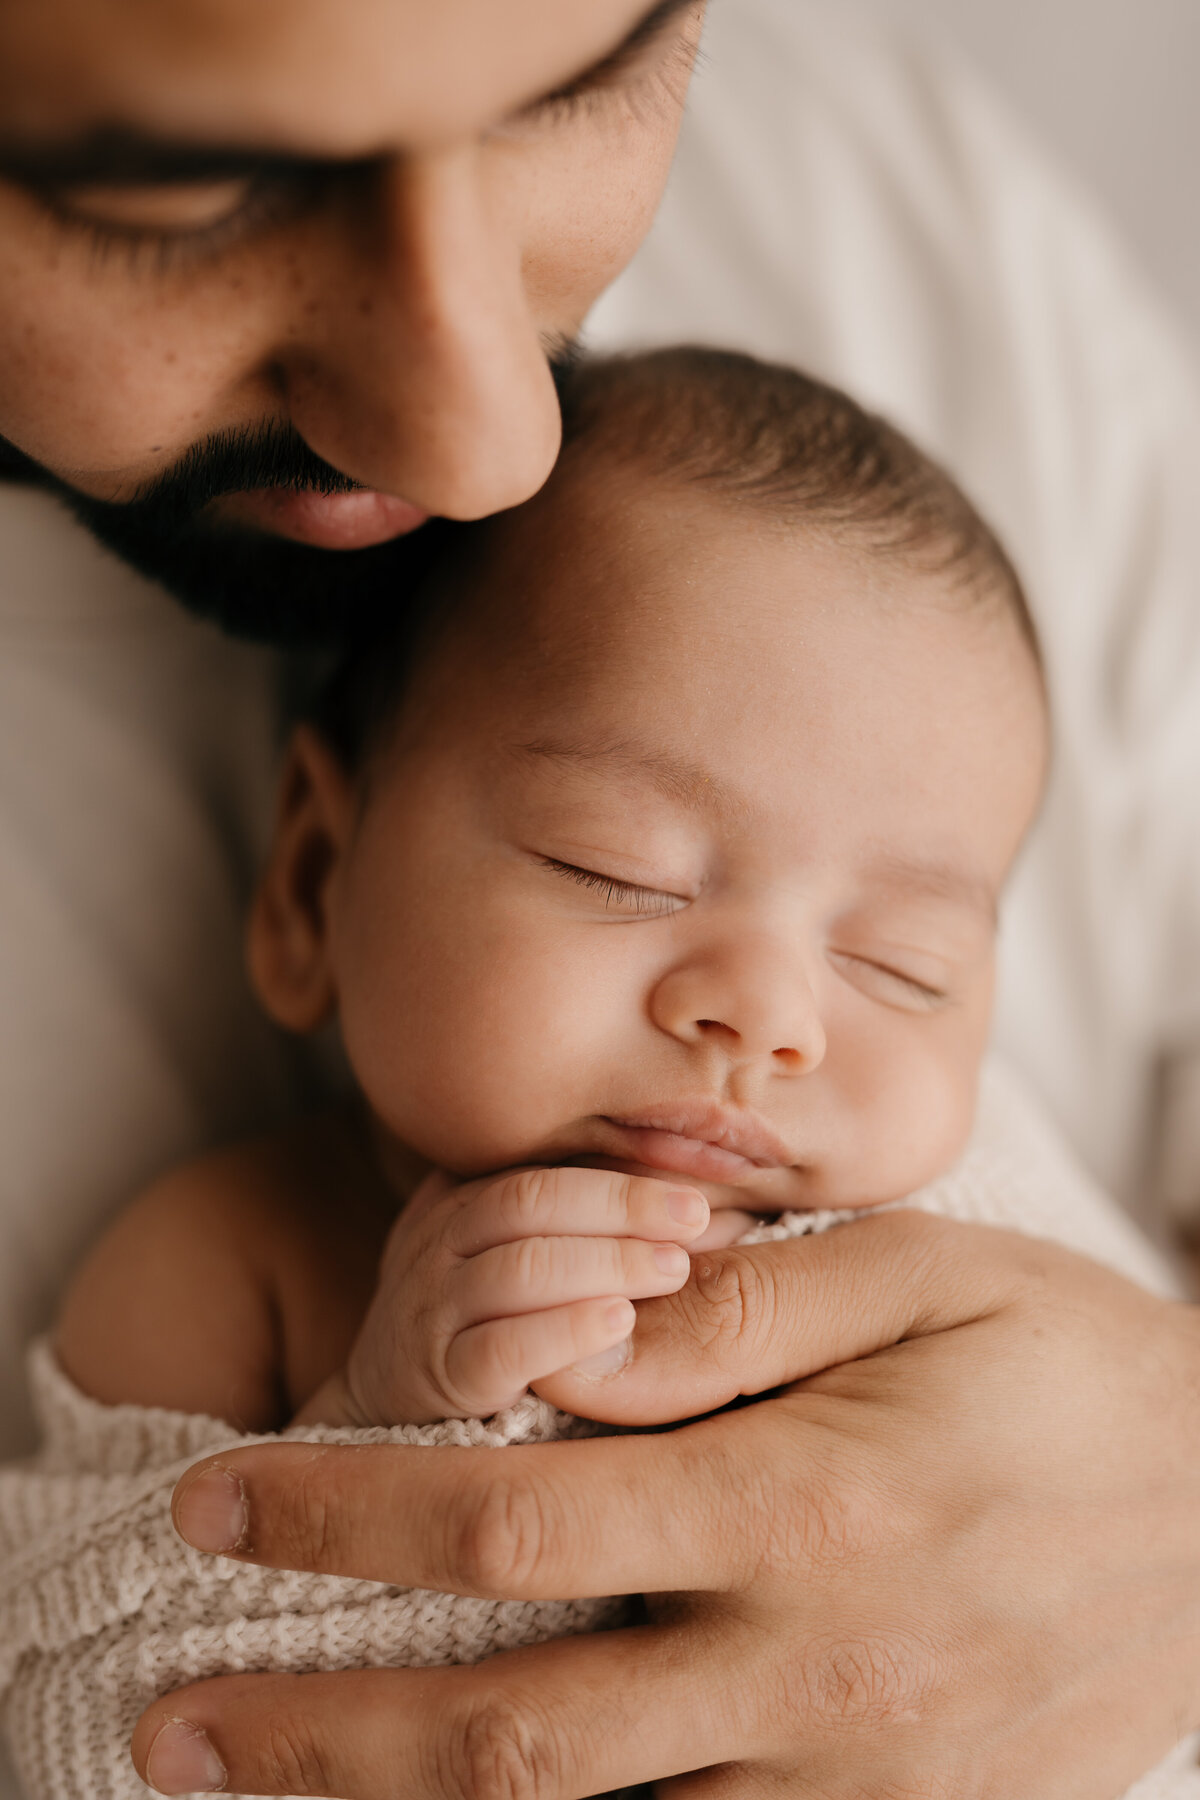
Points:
[[754, 435]]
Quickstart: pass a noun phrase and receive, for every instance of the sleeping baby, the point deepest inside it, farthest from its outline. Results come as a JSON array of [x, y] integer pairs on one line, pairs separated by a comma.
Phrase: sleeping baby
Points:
[[661, 839]]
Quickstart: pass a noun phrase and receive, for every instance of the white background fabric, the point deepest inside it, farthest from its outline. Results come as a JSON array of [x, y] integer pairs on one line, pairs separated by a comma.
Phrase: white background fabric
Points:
[[1111, 86]]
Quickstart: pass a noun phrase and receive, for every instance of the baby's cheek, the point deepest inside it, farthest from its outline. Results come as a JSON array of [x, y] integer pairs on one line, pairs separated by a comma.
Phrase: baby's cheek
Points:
[[942, 1112], [473, 1066], [920, 1122]]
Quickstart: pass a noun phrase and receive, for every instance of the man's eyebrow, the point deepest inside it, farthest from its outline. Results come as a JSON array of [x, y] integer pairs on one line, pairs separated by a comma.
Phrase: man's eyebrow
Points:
[[674, 777], [119, 155]]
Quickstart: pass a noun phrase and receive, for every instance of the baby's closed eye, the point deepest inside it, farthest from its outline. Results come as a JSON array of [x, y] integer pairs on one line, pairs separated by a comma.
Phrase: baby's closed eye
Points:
[[912, 981]]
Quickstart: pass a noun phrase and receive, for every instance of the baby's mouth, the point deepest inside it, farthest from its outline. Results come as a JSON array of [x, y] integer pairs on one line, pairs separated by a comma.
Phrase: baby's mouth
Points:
[[702, 1140], [675, 1154]]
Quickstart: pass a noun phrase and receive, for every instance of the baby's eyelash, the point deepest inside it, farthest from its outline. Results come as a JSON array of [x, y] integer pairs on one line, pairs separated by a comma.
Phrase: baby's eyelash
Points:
[[647, 903], [923, 993], [928, 995]]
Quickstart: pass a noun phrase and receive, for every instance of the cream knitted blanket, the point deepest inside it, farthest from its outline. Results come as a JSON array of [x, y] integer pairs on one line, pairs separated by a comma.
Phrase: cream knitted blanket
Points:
[[102, 1607]]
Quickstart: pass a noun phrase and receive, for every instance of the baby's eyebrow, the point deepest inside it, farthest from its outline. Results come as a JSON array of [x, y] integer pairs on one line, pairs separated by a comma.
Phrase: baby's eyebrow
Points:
[[936, 879], [682, 782]]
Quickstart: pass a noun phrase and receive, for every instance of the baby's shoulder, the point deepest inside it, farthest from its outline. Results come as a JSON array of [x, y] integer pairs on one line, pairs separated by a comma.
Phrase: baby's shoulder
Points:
[[197, 1294]]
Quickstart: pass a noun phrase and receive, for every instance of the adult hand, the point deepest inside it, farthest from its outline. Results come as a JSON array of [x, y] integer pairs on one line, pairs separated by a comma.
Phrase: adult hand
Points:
[[965, 1561]]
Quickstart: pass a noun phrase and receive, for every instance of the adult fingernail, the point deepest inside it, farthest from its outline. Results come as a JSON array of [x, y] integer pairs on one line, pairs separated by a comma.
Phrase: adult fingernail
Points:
[[686, 1206], [211, 1512], [672, 1259], [183, 1761], [608, 1362]]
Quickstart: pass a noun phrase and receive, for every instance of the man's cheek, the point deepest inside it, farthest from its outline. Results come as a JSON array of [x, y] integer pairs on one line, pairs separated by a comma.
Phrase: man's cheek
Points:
[[108, 376], [570, 253]]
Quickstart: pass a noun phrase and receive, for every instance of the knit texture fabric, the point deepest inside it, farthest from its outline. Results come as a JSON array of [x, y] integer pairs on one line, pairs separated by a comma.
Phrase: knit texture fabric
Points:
[[102, 1607]]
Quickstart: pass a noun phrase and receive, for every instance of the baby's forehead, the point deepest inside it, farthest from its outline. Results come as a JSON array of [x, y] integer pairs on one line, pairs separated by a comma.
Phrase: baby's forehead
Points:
[[649, 609], [612, 565]]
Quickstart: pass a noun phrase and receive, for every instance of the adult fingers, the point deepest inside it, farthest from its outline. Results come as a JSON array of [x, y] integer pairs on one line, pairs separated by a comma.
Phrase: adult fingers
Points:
[[552, 1722], [756, 1318], [614, 1515], [567, 1203], [488, 1365], [550, 1271]]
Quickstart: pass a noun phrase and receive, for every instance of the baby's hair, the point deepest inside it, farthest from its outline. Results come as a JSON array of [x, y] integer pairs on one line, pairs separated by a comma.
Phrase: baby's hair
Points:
[[752, 434], [766, 436]]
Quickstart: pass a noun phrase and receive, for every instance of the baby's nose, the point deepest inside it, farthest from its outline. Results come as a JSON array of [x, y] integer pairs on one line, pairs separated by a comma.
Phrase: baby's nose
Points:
[[749, 1003]]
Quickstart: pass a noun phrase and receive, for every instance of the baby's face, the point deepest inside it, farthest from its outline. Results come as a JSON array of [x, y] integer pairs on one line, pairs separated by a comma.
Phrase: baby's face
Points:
[[685, 860]]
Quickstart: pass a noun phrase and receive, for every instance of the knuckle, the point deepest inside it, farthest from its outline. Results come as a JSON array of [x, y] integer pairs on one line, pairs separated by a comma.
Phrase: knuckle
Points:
[[817, 1520], [871, 1684], [488, 1361], [505, 1752], [528, 1193], [291, 1760], [842, 1520], [628, 1192], [503, 1538], [729, 1305], [303, 1525], [532, 1263]]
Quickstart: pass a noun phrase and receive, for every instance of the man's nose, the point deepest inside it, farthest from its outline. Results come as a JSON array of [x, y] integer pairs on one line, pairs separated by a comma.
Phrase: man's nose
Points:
[[412, 361], [751, 999]]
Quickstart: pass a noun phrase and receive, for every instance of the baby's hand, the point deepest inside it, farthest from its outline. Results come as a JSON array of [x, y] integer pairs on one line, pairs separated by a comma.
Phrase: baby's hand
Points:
[[487, 1288]]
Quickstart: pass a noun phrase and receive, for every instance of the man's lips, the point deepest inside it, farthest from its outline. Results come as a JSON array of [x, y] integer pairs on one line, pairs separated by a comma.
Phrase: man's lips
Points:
[[353, 521], [701, 1139]]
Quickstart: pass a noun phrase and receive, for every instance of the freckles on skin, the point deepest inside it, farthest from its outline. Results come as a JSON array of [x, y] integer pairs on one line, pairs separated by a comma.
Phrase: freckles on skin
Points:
[[128, 372], [113, 367]]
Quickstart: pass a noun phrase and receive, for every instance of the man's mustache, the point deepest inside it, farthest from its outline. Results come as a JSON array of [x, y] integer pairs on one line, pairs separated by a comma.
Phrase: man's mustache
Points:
[[253, 583], [228, 462], [238, 461], [234, 461]]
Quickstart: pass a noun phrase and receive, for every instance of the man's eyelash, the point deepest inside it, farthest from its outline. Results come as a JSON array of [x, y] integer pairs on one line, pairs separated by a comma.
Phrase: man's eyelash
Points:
[[648, 903], [266, 203], [576, 96]]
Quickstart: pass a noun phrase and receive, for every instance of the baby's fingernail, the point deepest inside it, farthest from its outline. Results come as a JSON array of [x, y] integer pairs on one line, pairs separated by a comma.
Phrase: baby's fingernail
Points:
[[672, 1259], [608, 1362], [211, 1513], [183, 1761], [686, 1206]]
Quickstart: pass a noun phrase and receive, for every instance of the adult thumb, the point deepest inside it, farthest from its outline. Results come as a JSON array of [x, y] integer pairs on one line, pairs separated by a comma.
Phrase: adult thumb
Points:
[[762, 1316]]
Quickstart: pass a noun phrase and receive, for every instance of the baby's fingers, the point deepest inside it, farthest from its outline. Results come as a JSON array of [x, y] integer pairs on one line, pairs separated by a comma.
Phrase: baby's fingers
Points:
[[543, 1202], [539, 1272], [490, 1365]]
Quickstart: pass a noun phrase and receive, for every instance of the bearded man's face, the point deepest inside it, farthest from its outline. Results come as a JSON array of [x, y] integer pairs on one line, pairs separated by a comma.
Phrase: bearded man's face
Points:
[[281, 283]]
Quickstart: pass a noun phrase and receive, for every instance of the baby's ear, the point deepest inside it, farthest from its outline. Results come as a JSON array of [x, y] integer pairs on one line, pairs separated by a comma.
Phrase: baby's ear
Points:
[[288, 938]]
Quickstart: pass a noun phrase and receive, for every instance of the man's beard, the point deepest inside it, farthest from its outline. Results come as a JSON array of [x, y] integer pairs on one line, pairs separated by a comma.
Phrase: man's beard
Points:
[[253, 584]]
